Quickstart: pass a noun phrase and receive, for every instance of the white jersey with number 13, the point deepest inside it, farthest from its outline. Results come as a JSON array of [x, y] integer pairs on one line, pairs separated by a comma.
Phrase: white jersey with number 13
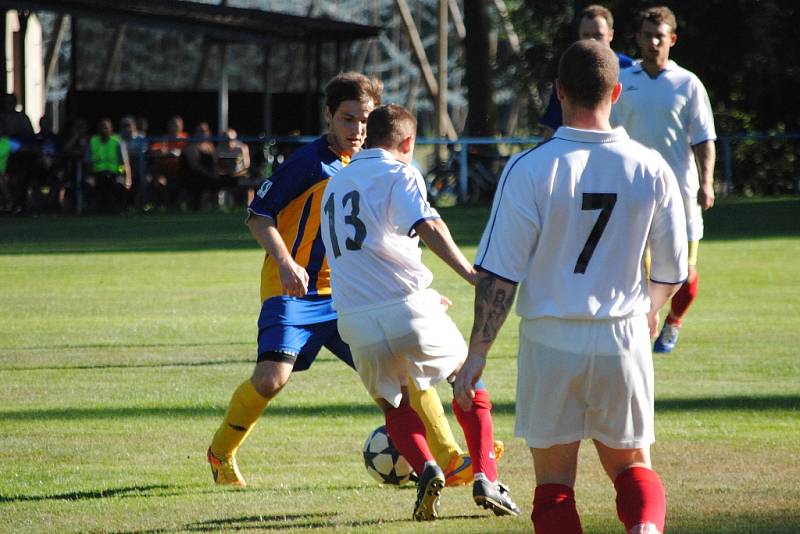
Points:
[[369, 210]]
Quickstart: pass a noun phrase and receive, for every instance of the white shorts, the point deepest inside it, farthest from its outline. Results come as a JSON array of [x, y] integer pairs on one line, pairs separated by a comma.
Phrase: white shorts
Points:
[[694, 218], [411, 337], [585, 379]]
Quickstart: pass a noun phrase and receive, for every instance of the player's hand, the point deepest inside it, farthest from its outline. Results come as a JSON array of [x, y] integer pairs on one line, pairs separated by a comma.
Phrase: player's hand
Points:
[[464, 386], [472, 276], [294, 279], [445, 302], [652, 323], [705, 196]]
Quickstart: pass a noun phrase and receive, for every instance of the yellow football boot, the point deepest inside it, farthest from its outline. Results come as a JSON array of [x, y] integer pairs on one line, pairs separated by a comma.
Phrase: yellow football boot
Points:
[[225, 472], [459, 470]]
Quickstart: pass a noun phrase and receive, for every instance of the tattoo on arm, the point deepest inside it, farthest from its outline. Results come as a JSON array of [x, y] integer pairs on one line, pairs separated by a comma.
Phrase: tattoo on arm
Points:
[[493, 300]]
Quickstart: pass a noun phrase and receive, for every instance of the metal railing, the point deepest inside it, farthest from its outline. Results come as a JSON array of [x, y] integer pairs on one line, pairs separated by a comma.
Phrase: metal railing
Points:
[[461, 147]]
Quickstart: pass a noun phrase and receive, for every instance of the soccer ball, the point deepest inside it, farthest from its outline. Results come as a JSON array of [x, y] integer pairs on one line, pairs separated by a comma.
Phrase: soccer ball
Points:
[[383, 461]]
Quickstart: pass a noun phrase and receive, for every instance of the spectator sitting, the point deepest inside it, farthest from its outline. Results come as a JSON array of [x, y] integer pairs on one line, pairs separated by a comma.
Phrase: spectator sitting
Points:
[[164, 188], [134, 143], [199, 169], [47, 166], [16, 124], [76, 144], [234, 165], [7, 193], [109, 171]]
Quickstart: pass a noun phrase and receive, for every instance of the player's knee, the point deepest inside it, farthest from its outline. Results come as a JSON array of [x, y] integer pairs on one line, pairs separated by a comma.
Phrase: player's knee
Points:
[[270, 377], [268, 386]]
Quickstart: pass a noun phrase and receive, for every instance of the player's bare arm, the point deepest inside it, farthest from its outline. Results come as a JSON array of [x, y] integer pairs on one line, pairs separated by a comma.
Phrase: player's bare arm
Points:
[[493, 301], [294, 278], [659, 295], [435, 234], [706, 154]]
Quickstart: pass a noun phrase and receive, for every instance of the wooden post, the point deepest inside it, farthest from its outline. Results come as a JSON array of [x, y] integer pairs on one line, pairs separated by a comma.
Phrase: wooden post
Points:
[[113, 56], [267, 90], [441, 100], [422, 60], [51, 56], [222, 94]]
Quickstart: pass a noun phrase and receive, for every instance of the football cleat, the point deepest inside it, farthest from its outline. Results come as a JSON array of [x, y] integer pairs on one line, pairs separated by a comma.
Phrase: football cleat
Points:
[[429, 489], [645, 528], [459, 470], [666, 340], [225, 472], [494, 497]]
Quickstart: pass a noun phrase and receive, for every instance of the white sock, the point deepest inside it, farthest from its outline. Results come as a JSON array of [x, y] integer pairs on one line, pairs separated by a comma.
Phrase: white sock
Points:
[[481, 476]]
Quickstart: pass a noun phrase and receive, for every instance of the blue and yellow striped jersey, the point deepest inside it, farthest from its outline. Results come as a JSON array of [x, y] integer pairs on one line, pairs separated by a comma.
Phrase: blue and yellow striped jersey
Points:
[[292, 197]]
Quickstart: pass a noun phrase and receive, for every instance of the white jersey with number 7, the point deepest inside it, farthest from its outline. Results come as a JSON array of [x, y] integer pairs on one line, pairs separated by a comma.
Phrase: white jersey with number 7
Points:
[[571, 221]]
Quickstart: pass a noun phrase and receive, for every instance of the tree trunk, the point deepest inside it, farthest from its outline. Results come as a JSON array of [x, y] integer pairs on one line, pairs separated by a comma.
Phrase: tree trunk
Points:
[[482, 114]]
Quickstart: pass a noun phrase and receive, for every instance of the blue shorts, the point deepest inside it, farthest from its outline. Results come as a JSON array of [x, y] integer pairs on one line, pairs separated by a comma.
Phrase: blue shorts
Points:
[[302, 343]]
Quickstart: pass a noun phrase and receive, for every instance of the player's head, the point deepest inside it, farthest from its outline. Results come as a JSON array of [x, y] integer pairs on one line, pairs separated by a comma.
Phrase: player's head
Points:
[[349, 98], [597, 23], [655, 34], [105, 128], [588, 75], [393, 128]]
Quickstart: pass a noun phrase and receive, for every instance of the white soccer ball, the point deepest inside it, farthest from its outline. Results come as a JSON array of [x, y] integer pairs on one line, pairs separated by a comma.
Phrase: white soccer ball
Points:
[[383, 461]]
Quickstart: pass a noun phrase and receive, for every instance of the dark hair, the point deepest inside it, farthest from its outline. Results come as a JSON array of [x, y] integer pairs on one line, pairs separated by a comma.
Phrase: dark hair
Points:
[[658, 15], [352, 86], [593, 11], [388, 125], [588, 72]]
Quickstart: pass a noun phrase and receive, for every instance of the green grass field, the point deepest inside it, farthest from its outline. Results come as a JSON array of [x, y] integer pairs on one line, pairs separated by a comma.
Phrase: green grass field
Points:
[[121, 340]]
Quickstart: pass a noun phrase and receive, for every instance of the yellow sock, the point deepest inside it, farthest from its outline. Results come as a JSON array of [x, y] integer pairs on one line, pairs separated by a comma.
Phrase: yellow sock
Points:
[[440, 438], [243, 411]]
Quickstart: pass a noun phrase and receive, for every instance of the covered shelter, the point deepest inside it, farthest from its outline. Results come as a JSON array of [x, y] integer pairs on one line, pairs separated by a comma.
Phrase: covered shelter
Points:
[[321, 40]]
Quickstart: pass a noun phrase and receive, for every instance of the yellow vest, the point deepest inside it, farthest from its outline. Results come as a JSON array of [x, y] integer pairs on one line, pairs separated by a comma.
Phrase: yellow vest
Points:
[[5, 151], [106, 156]]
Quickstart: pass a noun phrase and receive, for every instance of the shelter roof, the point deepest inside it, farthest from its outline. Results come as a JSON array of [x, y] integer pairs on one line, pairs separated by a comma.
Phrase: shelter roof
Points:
[[221, 22]]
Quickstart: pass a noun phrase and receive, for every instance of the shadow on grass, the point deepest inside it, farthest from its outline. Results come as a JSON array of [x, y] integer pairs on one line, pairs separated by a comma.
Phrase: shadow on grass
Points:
[[774, 522], [700, 404], [129, 233], [733, 403], [130, 491], [265, 522], [126, 365], [753, 218], [309, 521], [78, 346], [252, 522], [729, 219]]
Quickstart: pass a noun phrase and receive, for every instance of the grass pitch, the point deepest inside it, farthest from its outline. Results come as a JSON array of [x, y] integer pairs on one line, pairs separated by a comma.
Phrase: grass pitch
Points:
[[122, 339]]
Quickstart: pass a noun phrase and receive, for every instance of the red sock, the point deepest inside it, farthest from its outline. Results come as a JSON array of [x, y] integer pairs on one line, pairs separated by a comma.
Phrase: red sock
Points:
[[682, 300], [479, 433], [640, 498], [408, 435], [554, 510]]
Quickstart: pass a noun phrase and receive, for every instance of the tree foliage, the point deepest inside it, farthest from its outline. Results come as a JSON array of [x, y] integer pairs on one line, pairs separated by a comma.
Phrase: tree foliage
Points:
[[744, 51]]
